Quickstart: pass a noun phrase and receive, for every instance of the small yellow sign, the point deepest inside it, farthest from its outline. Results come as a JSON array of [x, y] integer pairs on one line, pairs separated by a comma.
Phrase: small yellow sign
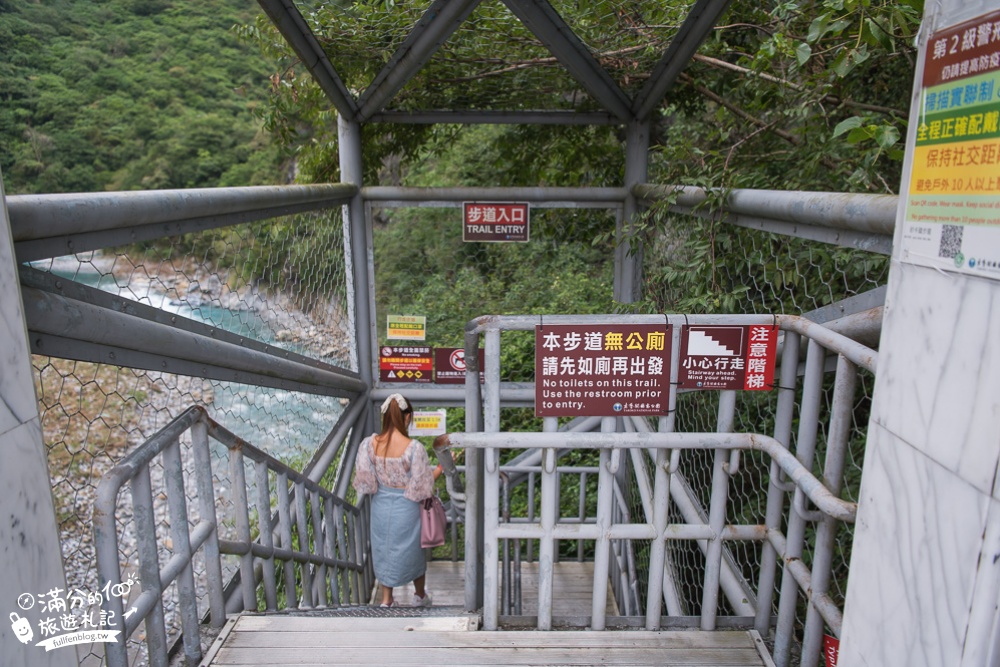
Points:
[[406, 327], [432, 422]]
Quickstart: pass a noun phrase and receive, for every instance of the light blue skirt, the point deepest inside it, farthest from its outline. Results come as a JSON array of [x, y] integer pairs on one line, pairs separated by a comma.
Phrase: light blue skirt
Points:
[[395, 532]]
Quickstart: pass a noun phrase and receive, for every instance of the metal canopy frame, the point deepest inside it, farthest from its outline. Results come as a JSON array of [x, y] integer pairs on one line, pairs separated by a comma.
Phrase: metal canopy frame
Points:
[[444, 17], [287, 18], [541, 19], [437, 24], [693, 32]]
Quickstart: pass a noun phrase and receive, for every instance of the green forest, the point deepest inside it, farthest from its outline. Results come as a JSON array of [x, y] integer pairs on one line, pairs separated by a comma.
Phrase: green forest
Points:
[[786, 95], [130, 95], [800, 94]]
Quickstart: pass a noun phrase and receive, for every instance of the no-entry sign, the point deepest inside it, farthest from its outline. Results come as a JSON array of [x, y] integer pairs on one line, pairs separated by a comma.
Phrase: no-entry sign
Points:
[[495, 222], [449, 365], [601, 370]]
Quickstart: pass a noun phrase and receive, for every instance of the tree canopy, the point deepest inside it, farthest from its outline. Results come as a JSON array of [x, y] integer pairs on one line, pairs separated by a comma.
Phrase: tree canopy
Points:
[[130, 94], [789, 95]]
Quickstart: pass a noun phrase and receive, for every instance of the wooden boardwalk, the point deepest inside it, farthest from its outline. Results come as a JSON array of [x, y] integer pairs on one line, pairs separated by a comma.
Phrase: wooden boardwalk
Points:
[[433, 639], [302, 641], [571, 586]]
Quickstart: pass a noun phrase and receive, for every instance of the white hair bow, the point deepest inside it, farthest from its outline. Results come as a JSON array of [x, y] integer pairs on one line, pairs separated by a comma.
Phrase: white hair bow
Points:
[[400, 401]]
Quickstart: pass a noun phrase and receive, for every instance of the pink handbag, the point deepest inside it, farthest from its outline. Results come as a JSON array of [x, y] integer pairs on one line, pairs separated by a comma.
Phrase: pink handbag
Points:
[[432, 522]]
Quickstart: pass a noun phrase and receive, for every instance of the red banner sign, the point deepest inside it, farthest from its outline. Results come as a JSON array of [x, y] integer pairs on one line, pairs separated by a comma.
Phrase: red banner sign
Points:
[[601, 370], [405, 364], [496, 222], [963, 50], [728, 357], [831, 650], [449, 365]]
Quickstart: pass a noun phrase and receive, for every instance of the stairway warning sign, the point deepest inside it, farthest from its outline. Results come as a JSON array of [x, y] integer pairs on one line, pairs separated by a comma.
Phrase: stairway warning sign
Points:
[[405, 364], [728, 357]]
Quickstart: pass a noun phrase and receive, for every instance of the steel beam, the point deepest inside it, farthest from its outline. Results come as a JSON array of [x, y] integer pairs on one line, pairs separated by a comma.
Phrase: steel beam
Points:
[[871, 214], [286, 17], [569, 197], [877, 243], [543, 21], [512, 394], [53, 225], [433, 29], [698, 24], [130, 330], [488, 117], [74, 291], [852, 305]]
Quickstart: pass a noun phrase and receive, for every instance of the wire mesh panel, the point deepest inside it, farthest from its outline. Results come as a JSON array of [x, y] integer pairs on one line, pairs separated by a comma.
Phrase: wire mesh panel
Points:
[[280, 282], [699, 265]]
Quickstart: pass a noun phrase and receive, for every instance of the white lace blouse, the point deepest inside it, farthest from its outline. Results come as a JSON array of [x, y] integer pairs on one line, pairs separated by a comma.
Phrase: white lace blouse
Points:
[[411, 471]]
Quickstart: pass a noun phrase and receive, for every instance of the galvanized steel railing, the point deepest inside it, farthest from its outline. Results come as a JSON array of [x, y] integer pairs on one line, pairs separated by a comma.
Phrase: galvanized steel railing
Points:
[[654, 458], [315, 534], [623, 577]]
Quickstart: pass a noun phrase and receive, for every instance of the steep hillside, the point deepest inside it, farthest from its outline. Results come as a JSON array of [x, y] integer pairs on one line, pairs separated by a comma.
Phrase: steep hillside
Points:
[[130, 94]]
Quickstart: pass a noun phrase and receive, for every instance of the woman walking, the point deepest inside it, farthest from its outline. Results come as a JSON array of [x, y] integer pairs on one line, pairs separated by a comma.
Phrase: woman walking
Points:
[[396, 472]]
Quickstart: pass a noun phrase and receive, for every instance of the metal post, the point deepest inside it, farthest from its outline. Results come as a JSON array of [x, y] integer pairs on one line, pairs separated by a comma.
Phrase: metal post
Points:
[[303, 529], [238, 482], [658, 548], [833, 472], [266, 535], [775, 494], [717, 513], [357, 249], [473, 477], [360, 545], [491, 514], [628, 252], [206, 509], [582, 512], [177, 504], [490, 472], [531, 515], [285, 530], [149, 566], [330, 518], [505, 597], [609, 462], [319, 548], [546, 546], [812, 385]]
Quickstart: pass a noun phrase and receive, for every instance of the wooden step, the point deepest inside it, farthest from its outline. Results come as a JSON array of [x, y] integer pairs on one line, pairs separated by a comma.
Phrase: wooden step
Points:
[[302, 641]]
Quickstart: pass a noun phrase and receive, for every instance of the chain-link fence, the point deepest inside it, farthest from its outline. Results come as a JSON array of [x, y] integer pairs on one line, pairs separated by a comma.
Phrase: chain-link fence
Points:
[[280, 282]]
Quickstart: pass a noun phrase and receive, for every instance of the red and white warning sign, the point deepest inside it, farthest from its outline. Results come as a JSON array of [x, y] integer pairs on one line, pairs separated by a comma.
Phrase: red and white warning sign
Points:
[[495, 222], [728, 357], [449, 365], [405, 364]]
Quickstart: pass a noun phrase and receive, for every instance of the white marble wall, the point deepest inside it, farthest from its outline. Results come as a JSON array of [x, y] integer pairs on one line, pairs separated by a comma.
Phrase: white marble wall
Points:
[[30, 558], [924, 581]]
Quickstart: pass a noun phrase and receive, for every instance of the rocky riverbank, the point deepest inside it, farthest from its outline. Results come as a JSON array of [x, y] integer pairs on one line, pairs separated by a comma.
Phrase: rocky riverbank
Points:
[[93, 414]]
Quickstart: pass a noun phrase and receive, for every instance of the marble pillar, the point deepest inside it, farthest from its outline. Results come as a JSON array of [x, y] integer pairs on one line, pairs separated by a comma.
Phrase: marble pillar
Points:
[[30, 557], [924, 579]]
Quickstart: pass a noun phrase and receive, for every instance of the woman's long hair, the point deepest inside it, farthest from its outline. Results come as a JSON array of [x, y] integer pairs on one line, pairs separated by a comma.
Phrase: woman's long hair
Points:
[[395, 418]]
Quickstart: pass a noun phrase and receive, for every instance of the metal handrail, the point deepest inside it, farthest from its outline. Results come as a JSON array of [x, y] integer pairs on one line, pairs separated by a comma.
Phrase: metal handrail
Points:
[[709, 525], [338, 557]]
